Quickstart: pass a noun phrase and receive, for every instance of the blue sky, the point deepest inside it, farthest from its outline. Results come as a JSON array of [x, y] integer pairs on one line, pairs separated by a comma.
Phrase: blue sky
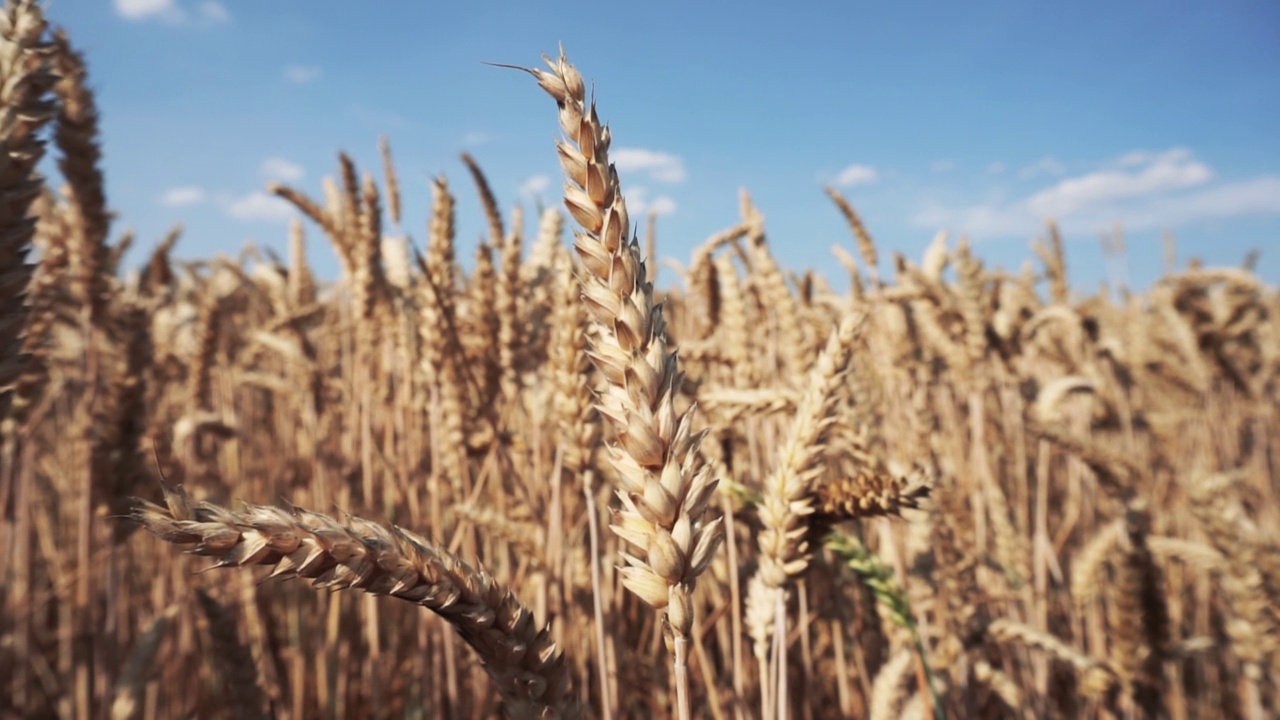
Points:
[[981, 118]]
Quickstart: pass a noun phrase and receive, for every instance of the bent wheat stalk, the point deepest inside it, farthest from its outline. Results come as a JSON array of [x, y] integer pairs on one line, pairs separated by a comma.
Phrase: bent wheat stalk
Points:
[[530, 671]]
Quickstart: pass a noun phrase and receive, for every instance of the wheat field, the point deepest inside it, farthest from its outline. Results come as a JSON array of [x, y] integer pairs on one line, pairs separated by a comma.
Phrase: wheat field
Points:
[[954, 492]]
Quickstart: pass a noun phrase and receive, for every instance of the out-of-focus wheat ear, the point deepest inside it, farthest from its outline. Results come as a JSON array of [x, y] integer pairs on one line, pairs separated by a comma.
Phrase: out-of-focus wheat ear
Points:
[[701, 272], [776, 293], [1254, 628], [1004, 687], [329, 220], [441, 257], [25, 106], [349, 207], [889, 689], [529, 670], [1055, 262], [734, 336], [157, 275], [1140, 617], [371, 280], [392, 178], [850, 264], [955, 575], [483, 321], [541, 278], [127, 698], [77, 137], [497, 233], [787, 503], [1098, 681], [233, 661], [510, 308], [972, 302], [123, 425], [546, 249], [866, 245], [1088, 563], [306, 205], [573, 402], [200, 365], [759, 611], [302, 283], [527, 536], [1117, 474]]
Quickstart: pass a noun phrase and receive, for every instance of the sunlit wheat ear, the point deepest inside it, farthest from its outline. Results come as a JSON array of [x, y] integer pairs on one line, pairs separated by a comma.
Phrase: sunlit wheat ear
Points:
[[530, 671], [664, 491], [664, 488]]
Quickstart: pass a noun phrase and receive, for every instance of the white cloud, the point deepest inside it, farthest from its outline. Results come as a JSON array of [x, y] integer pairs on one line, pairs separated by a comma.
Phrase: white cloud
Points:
[[183, 196], [1047, 165], [302, 74], [1140, 190], [995, 168], [1257, 196], [857, 175], [214, 12], [140, 9], [1171, 170], [639, 203], [277, 168], [535, 185], [260, 207], [663, 205], [207, 12], [475, 137], [660, 166]]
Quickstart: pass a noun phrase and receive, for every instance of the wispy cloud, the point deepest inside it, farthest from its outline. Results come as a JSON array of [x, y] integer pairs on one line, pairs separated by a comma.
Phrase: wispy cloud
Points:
[[302, 74], [1140, 190], [660, 166], [141, 9], [277, 168], [476, 138], [535, 186], [183, 196], [1151, 174], [213, 12], [996, 168], [1047, 165], [259, 207], [857, 175], [639, 203], [206, 12], [943, 166]]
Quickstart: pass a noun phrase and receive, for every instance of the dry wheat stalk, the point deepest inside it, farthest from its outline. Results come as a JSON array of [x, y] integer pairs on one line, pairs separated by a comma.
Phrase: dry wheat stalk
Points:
[[664, 493], [526, 665], [25, 81], [77, 138]]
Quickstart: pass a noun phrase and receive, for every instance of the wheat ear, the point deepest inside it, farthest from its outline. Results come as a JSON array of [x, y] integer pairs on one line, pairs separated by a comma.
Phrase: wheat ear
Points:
[[530, 671], [25, 81], [665, 490]]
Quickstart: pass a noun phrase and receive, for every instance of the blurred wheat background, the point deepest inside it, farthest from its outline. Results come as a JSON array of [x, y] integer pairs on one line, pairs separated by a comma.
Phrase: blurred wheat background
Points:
[[950, 491]]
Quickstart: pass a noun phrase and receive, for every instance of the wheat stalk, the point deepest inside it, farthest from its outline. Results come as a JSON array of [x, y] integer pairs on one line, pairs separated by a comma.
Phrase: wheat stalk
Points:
[[527, 667], [664, 493]]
